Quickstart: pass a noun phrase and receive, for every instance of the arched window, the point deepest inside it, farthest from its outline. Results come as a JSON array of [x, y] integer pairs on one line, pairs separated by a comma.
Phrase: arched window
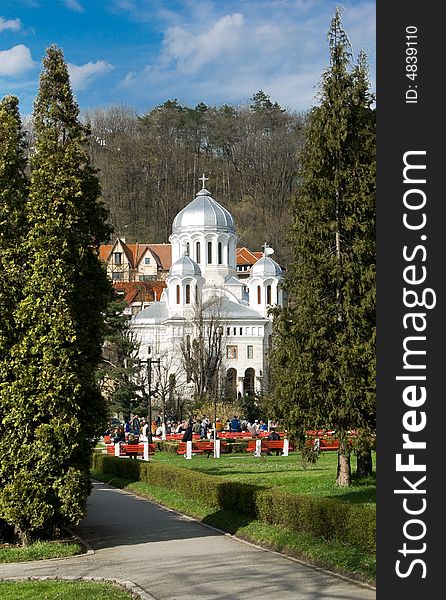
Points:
[[187, 248], [259, 295], [231, 384], [198, 252], [268, 294], [187, 294], [248, 383], [209, 253], [220, 254], [178, 293]]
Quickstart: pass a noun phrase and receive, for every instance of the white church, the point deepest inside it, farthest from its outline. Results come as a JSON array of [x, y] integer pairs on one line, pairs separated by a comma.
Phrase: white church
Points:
[[203, 273]]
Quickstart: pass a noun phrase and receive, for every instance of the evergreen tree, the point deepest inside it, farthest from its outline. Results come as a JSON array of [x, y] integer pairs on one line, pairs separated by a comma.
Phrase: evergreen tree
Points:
[[53, 410], [117, 369], [324, 355], [13, 189]]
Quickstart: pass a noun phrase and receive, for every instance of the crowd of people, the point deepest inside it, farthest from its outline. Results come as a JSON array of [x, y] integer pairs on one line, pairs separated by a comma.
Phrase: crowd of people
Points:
[[138, 428]]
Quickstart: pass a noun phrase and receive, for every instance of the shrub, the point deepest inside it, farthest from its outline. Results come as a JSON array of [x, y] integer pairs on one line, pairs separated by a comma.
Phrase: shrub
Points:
[[328, 518]]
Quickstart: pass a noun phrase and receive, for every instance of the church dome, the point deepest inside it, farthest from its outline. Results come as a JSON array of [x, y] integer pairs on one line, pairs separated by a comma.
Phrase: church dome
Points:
[[203, 213], [266, 267], [185, 266]]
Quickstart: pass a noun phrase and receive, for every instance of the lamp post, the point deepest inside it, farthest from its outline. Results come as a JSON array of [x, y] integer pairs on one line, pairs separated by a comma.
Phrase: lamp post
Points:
[[150, 361]]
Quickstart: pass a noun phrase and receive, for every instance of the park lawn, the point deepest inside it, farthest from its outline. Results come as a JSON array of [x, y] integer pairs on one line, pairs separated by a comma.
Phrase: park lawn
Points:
[[61, 590], [39, 550], [284, 472]]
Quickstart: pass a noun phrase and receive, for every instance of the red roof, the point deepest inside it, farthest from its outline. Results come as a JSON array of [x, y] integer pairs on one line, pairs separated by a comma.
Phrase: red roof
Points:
[[246, 257], [140, 291]]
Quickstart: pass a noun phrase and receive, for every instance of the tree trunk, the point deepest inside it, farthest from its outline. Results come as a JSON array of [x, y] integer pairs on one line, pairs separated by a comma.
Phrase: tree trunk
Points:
[[343, 478], [364, 466]]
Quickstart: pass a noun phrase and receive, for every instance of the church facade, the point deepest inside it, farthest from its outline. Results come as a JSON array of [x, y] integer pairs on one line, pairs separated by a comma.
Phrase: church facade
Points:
[[204, 292]]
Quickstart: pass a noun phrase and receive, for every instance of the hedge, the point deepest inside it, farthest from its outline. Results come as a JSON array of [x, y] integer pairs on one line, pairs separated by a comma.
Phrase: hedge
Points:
[[328, 518]]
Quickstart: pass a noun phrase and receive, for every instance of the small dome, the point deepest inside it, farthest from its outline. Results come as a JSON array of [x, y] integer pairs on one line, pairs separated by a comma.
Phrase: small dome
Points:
[[185, 266], [266, 267], [203, 213]]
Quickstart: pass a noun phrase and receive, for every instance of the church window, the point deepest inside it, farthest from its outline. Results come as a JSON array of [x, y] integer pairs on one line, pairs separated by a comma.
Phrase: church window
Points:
[[198, 252], [250, 352], [178, 294], [268, 294], [231, 352], [187, 248], [220, 253], [209, 253], [259, 295], [187, 294]]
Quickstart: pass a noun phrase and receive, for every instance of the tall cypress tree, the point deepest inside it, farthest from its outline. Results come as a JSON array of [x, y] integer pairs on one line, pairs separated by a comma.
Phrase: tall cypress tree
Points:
[[53, 410], [13, 186], [324, 356], [13, 189]]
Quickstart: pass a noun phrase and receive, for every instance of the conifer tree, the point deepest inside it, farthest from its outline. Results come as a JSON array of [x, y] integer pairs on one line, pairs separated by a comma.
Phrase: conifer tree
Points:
[[53, 410], [13, 189], [324, 355], [13, 186]]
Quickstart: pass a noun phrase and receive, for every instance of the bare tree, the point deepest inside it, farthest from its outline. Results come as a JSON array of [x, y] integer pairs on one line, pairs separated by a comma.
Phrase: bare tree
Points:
[[202, 349]]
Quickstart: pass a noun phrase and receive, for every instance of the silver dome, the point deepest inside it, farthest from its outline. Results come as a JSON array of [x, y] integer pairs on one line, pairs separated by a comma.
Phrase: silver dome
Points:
[[203, 213], [185, 266], [266, 267]]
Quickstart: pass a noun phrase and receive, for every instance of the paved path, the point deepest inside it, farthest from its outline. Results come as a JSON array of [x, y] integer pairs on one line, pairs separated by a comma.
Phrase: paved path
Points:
[[173, 557]]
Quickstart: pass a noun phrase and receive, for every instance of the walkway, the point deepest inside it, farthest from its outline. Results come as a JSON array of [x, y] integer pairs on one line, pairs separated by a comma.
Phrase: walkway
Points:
[[173, 557]]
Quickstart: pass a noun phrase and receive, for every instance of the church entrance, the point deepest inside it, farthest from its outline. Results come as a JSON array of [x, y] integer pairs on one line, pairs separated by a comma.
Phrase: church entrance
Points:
[[248, 382]]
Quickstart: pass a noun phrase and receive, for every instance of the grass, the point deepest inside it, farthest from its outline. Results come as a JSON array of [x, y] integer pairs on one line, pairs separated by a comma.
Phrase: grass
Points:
[[39, 550], [287, 474], [61, 590]]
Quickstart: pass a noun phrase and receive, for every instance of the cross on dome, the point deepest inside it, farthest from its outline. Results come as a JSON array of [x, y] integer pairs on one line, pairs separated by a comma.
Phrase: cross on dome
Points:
[[203, 179], [267, 250]]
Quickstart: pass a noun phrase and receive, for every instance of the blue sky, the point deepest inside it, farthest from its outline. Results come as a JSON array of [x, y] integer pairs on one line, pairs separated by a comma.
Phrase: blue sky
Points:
[[142, 52]]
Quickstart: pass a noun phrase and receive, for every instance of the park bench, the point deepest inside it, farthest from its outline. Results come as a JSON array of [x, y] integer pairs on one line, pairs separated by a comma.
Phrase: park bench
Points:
[[267, 445], [126, 449], [201, 447]]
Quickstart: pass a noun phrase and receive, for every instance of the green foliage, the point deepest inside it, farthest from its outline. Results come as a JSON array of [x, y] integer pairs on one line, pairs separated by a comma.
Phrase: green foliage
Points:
[[325, 517], [323, 364], [13, 190], [51, 407], [117, 369]]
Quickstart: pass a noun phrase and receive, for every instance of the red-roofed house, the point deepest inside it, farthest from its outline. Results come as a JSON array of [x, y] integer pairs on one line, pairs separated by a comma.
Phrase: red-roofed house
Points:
[[136, 262], [245, 260]]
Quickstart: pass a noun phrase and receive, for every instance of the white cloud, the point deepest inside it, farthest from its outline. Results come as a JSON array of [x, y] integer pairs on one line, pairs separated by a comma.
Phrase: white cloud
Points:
[[74, 5], [12, 24], [16, 60], [191, 52], [81, 75], [231, 56]]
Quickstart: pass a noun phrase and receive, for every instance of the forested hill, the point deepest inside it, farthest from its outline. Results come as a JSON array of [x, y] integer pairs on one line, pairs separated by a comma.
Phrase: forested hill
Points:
[[149, 166]]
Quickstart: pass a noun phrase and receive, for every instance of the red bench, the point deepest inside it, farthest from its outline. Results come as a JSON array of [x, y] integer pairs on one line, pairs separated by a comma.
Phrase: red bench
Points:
[[128, 449], [267, 445], [201, 447]]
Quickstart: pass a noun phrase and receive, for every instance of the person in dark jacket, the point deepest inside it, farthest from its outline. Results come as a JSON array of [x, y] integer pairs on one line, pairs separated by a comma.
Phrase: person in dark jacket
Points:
[[187, 435], [273, 435]]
